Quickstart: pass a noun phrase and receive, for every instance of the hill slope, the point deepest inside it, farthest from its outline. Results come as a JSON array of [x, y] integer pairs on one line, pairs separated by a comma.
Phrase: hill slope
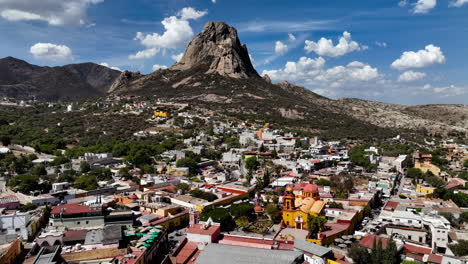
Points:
[[21, 80]]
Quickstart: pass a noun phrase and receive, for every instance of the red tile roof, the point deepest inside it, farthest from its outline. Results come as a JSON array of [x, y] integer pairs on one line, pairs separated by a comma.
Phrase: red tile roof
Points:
[[368, 241], [391, 205], [75, 235], [73, 209], [417, 249], [199, 229]]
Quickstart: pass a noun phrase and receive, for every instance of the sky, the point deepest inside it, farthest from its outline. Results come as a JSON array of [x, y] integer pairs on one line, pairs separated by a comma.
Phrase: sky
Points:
[[395, 51]]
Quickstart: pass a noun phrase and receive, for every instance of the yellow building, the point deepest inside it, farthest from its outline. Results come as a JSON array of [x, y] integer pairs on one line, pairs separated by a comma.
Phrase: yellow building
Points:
[[423, 162], [300, 202], [424, 189], [160, 114]]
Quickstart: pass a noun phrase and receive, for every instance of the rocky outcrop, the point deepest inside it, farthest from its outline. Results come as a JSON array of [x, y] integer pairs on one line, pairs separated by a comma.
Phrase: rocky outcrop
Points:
[[124, 78], [218, 47], [267, 78]]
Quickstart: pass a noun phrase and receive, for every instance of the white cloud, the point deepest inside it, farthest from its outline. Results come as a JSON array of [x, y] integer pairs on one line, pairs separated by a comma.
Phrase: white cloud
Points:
[[158, 66], [411, 76], [51, 51], [458, 3], [325, 47], [280, 48], [303, 69], [178, 31], [105, 64], [285, 26], [187, 13], [144, 54], [213, 1], [424, 6], [403, 3], [381, 44], [441, 91], [177, 57], [54, 12], [431, 55], [291, 37]]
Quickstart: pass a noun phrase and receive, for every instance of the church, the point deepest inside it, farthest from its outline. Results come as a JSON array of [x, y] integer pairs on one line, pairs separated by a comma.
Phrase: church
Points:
[[300, 201]]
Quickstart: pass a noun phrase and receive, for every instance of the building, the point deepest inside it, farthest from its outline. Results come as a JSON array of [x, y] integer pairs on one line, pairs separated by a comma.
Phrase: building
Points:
[[15, 225], [299, 202], [204, 232], [423, 162], [228, 254], [76, 216]]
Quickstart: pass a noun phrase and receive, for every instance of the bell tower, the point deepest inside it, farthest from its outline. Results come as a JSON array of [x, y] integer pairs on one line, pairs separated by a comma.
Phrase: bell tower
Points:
[[288, 199]]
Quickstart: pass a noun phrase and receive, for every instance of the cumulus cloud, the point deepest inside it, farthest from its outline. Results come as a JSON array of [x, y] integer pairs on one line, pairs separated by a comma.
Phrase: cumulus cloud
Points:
[[280, 48], [442, 91], [213, 1], [311, 72], [177, 57], [291, 37], [54, 12], [158, 66], [458, 3], [105, 64], [187, 13], [144, 54], [411, 76], [178, 31], [49, 51], [325, 47], [431, 55], [424, 6]]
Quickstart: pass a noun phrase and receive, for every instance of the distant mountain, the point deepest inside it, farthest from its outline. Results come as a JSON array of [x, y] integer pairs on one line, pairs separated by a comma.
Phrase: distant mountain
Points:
[[216, 73], [21, 80]]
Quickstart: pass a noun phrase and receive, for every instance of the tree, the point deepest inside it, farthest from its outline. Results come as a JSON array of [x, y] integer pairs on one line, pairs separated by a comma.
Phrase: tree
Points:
[[272, 211], [390, 254], [460, 248], [251, 164], [183, 187], [359, 255], [323, 182], [266, 178], [203, 195], [242, 209], [335, 205], [242, 221], [24, 183], [219, 215], [465, 163], [86, 182], [84, 167], [39, 170], [6, 140], [377, 251], [262, 148], [315, 224], [343, 184], [187, 163], [28, 207], [414, 173]]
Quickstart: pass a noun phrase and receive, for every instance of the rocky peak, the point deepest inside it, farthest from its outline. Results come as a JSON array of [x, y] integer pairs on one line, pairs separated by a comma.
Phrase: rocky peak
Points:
[[124, 78], [267, 78], [218, 47]]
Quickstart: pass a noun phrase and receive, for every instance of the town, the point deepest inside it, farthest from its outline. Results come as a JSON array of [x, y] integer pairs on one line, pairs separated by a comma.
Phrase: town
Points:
[[194, 186]]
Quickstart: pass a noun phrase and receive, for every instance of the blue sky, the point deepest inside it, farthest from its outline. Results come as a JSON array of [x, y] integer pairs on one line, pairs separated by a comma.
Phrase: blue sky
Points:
[[408, 52]]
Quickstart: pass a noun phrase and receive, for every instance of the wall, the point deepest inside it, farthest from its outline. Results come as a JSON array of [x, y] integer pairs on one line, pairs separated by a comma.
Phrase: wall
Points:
[[94, 254], [81, 222], [12, 253], [15, 223]]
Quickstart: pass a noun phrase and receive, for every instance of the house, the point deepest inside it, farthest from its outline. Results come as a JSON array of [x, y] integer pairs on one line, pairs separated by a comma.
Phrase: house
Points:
[[76, 216], [207, 232], [9, 202], [14, 225], [299, 202]]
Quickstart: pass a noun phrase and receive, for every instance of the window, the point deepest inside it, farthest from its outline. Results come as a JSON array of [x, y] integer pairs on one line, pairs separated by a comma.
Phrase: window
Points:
[[409, 238], [78, 223], [420, 239], [87, 222], [17, 229]]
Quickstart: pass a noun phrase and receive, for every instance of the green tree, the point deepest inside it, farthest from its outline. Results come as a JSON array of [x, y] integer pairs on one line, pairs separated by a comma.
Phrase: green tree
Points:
[[203, 195], [183, 187], [414, 173], [24, 183], [39, 170], [315, 224], [28, 207], [266, 178], [465, 163], [219, 215], [377, 251], [242, 221], [6, 140], [323, 182], [359, 255], [335, 205], [84, 167], [251, 163], [242, 209], [86, 182], [460, 248], [272, 212], [188, 163], [390, 254]]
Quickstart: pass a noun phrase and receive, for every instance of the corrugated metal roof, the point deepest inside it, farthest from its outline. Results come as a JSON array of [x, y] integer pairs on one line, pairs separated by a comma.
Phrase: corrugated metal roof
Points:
[[311, 248], [227, 254]]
